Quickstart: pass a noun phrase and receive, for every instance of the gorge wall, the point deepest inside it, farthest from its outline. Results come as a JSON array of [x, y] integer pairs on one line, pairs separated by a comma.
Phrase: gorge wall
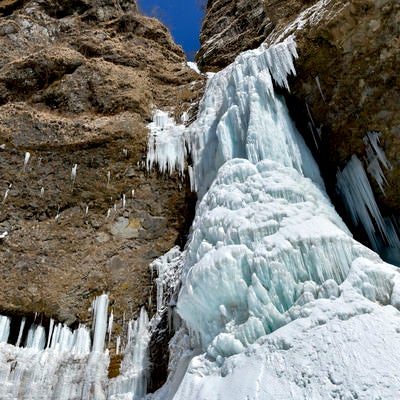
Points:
[[347, 81], [79, 213]]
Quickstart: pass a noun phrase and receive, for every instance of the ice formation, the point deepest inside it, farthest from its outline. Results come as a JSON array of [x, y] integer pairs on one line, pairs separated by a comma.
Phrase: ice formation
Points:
[[61, 364], [241, 117], [58, 364], [131, 384], [166, 144], [375, 157], [277, 300], [277, 297], [355, 189]]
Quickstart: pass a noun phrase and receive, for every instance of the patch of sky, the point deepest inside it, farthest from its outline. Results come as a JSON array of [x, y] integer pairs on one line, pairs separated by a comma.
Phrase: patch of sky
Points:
[[182, 17]]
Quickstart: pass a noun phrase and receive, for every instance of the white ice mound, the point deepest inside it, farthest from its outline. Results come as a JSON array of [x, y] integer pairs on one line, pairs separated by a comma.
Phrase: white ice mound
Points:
[[265, 242], [350, 355]]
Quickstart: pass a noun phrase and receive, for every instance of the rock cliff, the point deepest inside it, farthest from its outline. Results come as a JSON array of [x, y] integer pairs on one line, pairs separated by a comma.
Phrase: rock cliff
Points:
[[347, 81], [79, 80]]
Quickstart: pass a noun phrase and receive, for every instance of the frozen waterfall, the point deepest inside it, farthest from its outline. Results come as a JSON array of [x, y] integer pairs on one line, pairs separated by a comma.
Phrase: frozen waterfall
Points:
[[278, 300]]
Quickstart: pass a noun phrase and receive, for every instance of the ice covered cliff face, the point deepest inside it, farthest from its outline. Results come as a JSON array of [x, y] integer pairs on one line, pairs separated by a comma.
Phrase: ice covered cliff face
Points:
[[278, 298]]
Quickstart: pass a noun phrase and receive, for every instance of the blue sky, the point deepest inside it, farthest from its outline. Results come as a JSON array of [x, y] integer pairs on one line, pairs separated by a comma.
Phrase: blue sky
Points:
[[183, 18]]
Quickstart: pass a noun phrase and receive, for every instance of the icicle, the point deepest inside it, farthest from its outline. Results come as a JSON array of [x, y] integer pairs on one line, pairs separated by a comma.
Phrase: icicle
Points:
[[36, 339], [51, 328], [42, 192], [110, 326], [123, 201], [118, 345], [99, 307], [57, 216], [319, 87], [108, 177], [359, 199], [375, 157], [191, 178], [81, 341], [4, 328], [6, 193], [26, 160], [73, 173], [21, 331]]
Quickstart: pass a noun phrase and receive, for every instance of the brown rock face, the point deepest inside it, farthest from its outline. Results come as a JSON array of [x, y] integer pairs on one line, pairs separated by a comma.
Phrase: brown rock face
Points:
[[230, 27], [347, 81], [78, 82]]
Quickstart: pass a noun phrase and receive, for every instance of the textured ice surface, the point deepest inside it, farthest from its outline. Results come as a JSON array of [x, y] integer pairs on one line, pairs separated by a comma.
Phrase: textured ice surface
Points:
[[131, 384], [241, 117], [64, 365], [55, 365], [277, 297], [262, 235], [166, 144], [348, 350]]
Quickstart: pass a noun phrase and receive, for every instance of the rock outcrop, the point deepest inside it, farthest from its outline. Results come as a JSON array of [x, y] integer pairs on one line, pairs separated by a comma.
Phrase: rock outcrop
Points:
[[230, 27], [347, 81], [79, 213]]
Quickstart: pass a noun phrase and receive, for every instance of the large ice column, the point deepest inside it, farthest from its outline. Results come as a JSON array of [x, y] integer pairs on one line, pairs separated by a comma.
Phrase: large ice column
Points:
[[263, 230], [100, 313], [241, 117]]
